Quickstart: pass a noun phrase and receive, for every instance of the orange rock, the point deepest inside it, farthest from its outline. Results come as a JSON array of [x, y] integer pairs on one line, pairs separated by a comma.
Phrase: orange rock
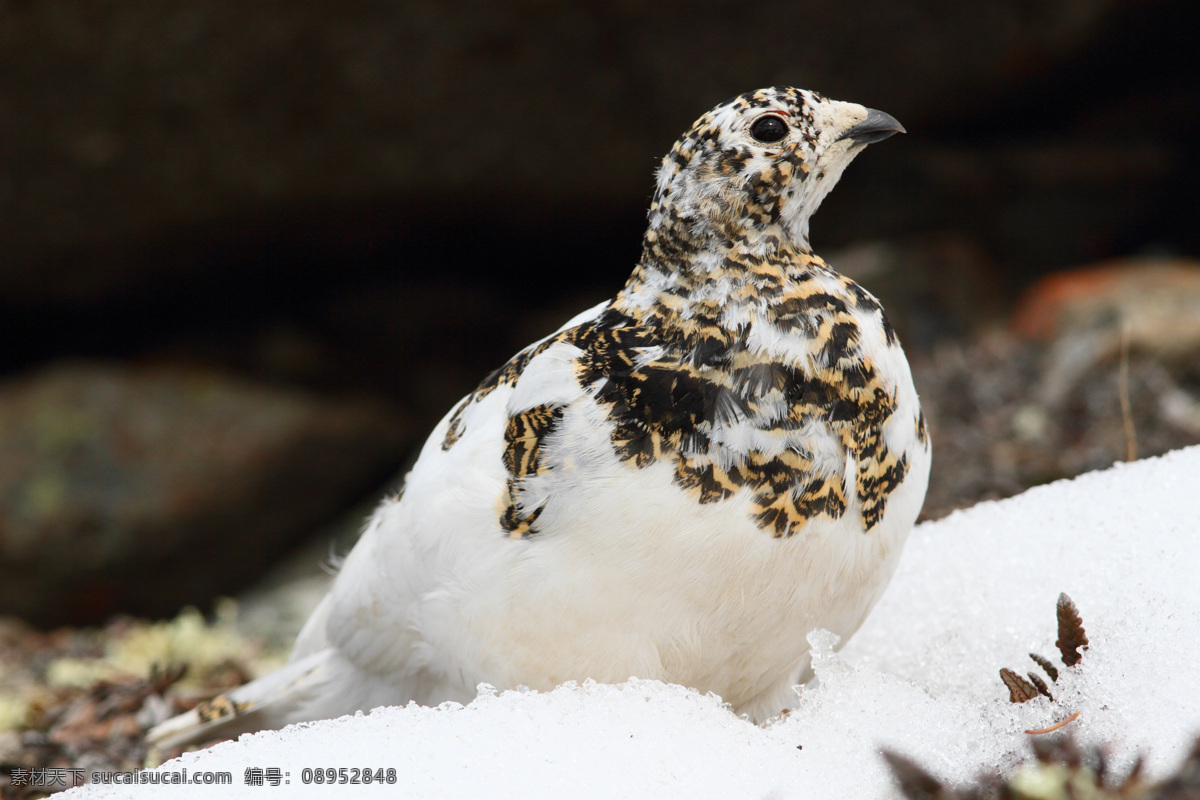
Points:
[[1155, 302]]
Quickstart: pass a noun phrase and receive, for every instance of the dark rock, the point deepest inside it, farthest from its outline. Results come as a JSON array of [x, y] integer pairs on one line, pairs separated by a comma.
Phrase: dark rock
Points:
[[128, 124], [342, 196], [933, 287], [141, 490]]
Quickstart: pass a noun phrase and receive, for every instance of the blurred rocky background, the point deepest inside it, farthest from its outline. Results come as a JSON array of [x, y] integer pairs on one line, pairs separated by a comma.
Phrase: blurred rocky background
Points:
[[253, 250]]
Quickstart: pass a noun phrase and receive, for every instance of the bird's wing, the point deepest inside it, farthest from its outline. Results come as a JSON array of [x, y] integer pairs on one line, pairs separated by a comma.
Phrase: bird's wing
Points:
[[379, 636], [395, 606]]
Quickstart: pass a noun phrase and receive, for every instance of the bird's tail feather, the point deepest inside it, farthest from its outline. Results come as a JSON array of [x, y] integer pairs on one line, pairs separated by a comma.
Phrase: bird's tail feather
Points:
[[272, 701]]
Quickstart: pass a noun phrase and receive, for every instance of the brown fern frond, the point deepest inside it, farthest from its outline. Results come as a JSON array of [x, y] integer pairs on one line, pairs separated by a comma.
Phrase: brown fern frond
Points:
[[1045, 664], [1040, 684], [1019, 689], [915, 783], [1071, 635]]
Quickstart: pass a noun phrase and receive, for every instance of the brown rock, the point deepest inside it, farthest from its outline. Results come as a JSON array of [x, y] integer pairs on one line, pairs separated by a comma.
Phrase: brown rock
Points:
[[141, 490]]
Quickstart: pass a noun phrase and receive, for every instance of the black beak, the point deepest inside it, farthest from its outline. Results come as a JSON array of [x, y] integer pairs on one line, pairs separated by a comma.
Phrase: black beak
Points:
[[875, 128]]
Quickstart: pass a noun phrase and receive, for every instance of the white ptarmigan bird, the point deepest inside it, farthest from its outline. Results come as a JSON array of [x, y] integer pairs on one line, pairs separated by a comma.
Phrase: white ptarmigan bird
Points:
[[679, 484]]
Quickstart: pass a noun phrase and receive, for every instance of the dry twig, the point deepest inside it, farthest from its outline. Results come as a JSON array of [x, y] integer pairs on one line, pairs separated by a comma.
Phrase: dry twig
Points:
[[1056, 725]]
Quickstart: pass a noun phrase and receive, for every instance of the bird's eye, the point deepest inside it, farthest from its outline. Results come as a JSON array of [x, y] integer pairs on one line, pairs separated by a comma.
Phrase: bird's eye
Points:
[[768, 129]]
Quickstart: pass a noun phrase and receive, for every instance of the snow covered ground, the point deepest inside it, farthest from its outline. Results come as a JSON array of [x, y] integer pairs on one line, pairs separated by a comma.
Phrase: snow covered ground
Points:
[[975, 592]]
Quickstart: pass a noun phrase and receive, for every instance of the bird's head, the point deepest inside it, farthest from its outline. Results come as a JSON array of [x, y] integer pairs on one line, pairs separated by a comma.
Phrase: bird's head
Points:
[[762, 161]]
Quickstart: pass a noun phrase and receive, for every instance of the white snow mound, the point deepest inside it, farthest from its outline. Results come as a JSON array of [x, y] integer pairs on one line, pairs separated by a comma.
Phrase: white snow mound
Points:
[[974, 592]]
